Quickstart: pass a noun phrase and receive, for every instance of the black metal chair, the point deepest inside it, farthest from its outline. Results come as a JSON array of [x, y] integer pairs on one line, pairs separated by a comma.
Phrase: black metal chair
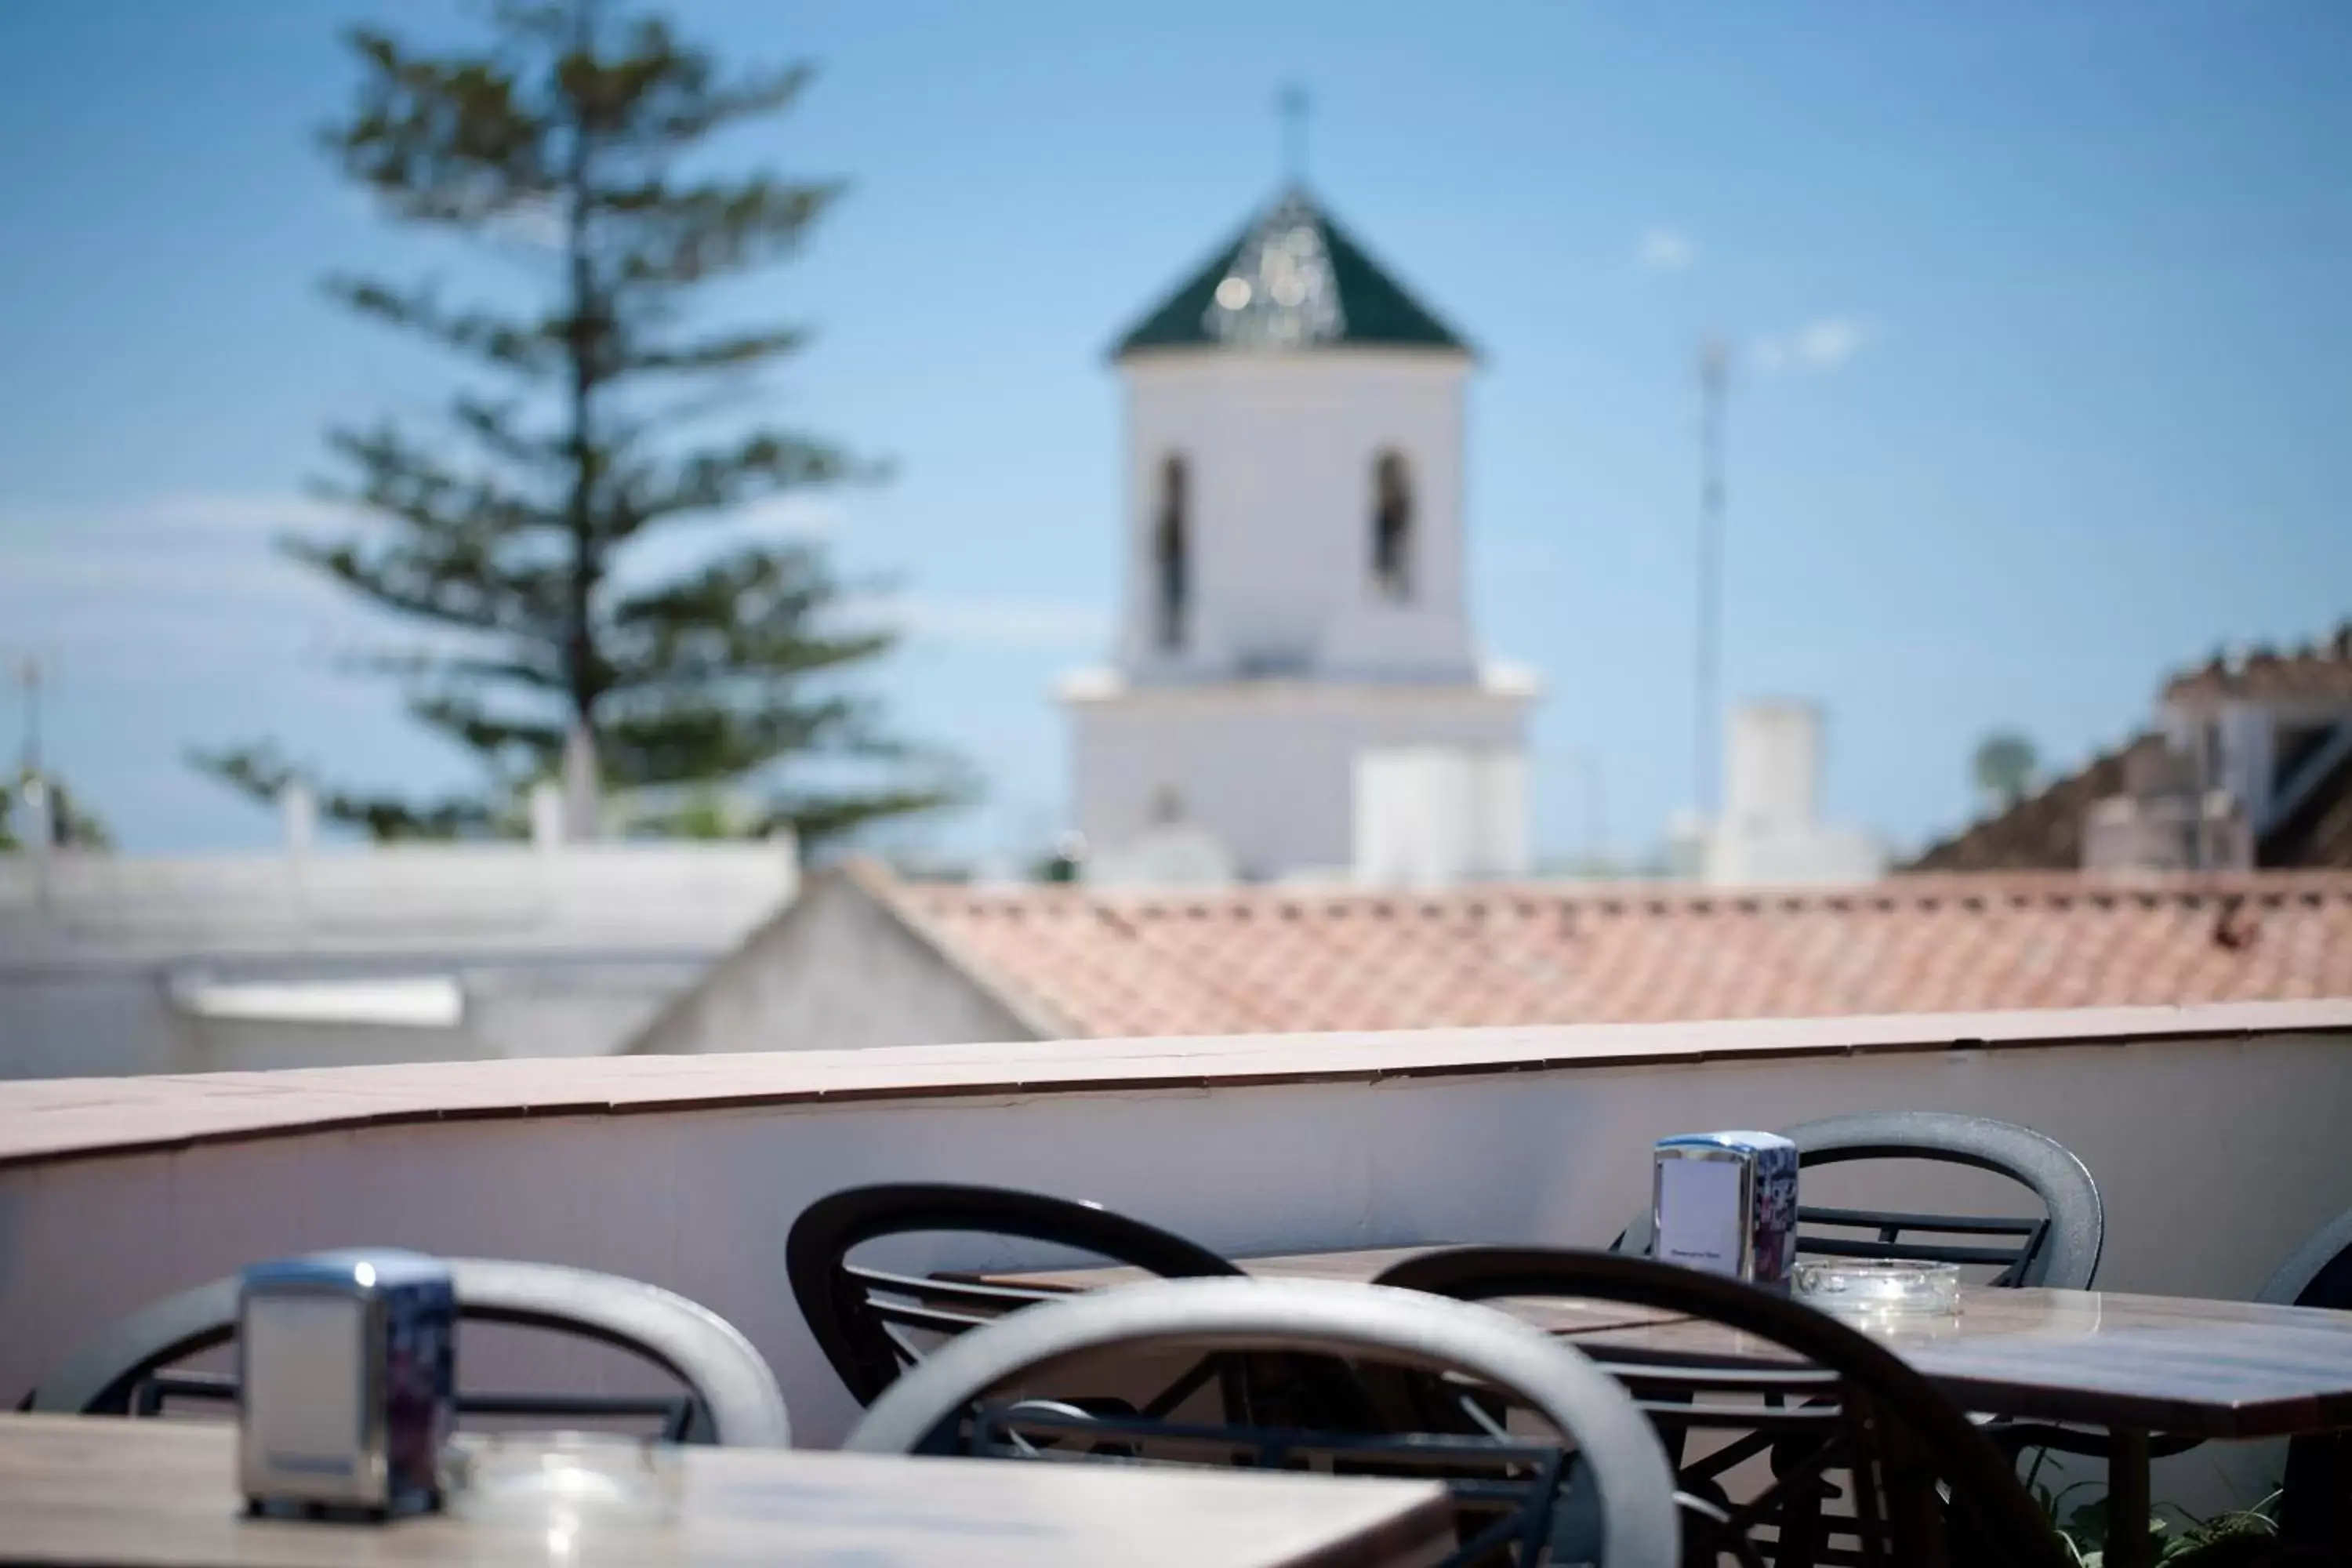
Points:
[[2315, 1504], [2060, 1249], [866, 1321], [1006, 1393], [1922, 1485], [731, 1396]]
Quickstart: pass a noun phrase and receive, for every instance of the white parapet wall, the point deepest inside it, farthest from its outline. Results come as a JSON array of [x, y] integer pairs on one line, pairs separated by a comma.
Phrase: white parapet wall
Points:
[[2214, 1135]]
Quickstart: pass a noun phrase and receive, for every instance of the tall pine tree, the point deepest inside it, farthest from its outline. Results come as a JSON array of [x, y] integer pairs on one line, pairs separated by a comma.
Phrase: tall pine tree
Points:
[[574, 137]]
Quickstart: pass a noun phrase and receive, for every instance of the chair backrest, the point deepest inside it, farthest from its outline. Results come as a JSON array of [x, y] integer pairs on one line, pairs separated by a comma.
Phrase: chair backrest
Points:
[[943, 1406], [2320, 1272], [867, 1319], [1832, 1400], [2312, 1503], [731, 1396], [2060, 1248]]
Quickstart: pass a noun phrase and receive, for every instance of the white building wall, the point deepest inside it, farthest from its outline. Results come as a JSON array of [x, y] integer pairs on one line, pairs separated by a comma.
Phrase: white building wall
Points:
[[554, 951], [1266, 766], [1279, 450]]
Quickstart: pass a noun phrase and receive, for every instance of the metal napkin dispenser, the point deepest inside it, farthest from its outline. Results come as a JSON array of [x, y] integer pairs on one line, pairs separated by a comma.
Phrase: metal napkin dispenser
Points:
[[346, 1377], [1727, 1203]]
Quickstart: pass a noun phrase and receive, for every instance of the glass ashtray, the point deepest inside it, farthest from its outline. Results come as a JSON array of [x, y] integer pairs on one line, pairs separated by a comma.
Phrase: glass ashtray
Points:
[[1869, 1288], [564, 1477]]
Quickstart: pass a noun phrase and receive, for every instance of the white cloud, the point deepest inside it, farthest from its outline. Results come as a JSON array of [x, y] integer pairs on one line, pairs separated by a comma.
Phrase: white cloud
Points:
[[787, 516], [198, 573], [1824, 344], [68, 581], [181, 518], [259, 514], [169, 584], [1001, 623], [1664, 249]]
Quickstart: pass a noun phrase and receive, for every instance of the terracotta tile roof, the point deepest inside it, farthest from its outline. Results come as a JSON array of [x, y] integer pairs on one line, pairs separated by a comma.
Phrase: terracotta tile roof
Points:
[[2314, 672], [2043, 832], [1269, 959]]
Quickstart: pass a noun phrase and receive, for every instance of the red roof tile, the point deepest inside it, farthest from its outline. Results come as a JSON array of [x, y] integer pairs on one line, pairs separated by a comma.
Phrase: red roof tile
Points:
[[1255, 959]]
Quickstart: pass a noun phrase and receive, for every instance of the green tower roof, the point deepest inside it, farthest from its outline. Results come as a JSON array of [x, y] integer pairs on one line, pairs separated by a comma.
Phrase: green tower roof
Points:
[[1294, 280]]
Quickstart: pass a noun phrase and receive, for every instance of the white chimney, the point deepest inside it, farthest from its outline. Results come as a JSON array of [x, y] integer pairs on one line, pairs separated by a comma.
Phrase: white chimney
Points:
[[1428, 817], [1772, 774], [1771, 833]]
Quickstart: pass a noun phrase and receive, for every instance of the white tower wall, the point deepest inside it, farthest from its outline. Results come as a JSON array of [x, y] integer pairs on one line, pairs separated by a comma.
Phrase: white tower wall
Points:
[[1280, 451]]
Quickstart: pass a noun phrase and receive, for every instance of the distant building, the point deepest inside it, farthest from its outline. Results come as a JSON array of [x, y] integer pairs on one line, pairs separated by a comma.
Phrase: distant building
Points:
[[1771, 833], [2247, 763], [1293, 592], [863, 959], [114, 965]]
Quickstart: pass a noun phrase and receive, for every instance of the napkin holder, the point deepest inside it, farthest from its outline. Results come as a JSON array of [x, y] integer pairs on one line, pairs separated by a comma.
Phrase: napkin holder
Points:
[[346, 1374], [1726, 1203]]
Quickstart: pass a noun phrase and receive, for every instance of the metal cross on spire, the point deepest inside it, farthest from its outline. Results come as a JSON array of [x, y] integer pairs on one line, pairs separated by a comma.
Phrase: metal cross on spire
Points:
[[1291, 103]]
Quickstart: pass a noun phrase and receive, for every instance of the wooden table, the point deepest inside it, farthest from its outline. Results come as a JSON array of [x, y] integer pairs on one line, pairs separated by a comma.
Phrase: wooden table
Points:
[[2130, 1365], [101, 1492]]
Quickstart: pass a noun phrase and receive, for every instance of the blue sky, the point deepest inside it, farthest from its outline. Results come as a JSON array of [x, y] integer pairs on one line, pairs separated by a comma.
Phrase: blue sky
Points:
[[2045, 314]]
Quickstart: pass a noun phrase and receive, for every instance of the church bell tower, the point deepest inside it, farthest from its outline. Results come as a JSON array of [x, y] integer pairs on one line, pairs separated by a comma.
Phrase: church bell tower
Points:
[[1293, 595]]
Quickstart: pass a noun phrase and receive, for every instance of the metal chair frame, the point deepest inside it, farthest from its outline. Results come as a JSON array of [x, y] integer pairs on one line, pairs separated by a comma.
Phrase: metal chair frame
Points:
[[731, 1396], [1503, 1492], [1512, 1486], [864, 1318], [1848, 1405]]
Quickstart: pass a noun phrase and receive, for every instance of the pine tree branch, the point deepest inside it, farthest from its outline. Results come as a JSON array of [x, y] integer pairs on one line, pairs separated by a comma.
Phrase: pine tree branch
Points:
[[760, 465], [260, 773], [755, 613], [738, 351], [468, 557], [819, 818], [451, 142], [683, 235], [401, 479], [433, 586], [494, 425], [663, 95], [524, 747], [689, 738], [535, 348], [531, 668]]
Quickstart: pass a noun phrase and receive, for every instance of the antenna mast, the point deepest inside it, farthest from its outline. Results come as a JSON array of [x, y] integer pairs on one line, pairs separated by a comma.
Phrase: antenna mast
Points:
[[1714, 376]]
